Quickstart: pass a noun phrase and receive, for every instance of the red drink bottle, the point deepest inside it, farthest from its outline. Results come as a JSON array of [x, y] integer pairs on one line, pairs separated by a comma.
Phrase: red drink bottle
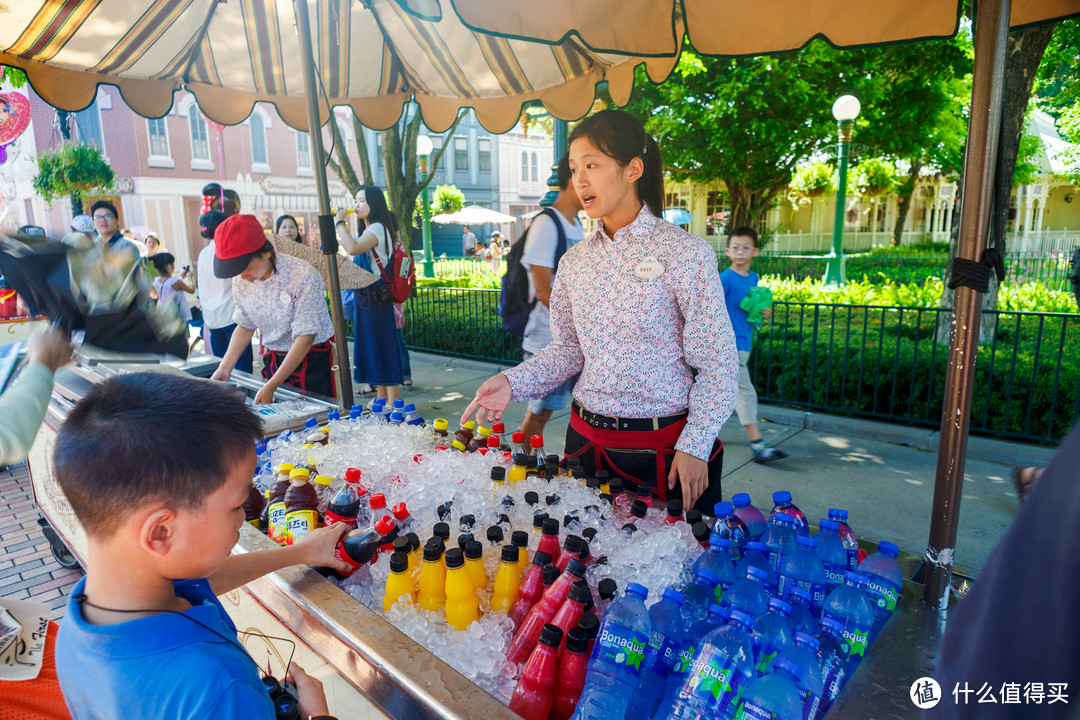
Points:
[[549, 540], [542, 613], [532, 697], [571, 551], [532, 587], [570, 679], [566, 619]]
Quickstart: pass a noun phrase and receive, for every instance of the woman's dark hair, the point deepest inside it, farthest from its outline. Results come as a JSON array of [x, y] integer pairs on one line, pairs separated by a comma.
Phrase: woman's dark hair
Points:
[[283, 218], [620, 136], [162, 260], [268, 247], [379, 213]]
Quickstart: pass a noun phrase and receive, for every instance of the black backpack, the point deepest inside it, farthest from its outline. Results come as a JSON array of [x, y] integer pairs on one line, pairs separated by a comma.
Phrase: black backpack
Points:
[[514, 303]]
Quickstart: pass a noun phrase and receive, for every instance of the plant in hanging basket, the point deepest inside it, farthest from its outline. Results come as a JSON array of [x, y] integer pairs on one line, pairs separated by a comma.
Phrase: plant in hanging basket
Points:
[[874, 177], [812, 180], [76, 170]]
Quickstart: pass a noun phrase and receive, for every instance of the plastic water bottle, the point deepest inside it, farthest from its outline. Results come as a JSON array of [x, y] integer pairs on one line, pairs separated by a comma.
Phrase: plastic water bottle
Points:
[[775, 695], [802, 568], [772, 634], [755, 554], [802, 620], [832, 657], [617, 655], [804, 654], [716, 617], [412, 417], [333, 415], [728, 525], [782, 504], [851, 543], [699, 593], [662, 655], [749, 594], [396, 418], [356, 411], [832, 552], [884, 581], [717, 561], [752, 517], [850, 606], [722, 667], [779, 539]]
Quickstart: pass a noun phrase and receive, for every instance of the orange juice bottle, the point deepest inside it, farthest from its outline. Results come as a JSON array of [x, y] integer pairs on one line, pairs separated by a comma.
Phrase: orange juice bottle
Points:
[[431, 586], [462, 605], [520, 469], [474, 564], [507, 580], [400, 586]]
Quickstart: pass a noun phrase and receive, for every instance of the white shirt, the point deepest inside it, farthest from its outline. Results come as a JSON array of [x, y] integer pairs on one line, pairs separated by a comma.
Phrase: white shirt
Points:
[[215, 294], [381, 247], [468, 241], [167, 293], [540, 244]]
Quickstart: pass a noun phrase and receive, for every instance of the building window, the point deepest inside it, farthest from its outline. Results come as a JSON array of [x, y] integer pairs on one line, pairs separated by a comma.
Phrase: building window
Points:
[[535, 167], [461, 154], [303, 150], [485, 155], [88, 122], [524, 166], [200, 141], [159, 137], [258, 140], [716, 217]]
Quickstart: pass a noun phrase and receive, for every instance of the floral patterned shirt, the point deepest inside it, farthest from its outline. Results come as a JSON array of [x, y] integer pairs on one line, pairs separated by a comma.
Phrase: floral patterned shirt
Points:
[[633, 341], [290, 303]]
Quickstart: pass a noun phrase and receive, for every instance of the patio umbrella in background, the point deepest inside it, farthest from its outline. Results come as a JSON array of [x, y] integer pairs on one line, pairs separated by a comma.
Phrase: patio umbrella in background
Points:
[[678, 216], [474, 215]]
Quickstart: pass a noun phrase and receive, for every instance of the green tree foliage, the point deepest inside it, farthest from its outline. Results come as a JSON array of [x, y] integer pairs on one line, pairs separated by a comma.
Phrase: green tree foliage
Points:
[[1058, 82], [447, 199]]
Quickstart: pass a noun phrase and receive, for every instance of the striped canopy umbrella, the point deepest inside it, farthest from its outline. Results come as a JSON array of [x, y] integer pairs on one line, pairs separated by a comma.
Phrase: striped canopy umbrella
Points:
[[373, 55]]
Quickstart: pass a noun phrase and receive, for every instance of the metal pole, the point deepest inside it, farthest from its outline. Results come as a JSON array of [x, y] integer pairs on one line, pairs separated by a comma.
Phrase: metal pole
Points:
[[327, 231], [559, 132], [834, 266], [429, 260], [991, 33]]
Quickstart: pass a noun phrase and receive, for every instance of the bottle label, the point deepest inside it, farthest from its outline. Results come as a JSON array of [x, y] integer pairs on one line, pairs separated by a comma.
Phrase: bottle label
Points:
[[686, 658], [883, 594], [276, 516], [834, 574], [662, 655], [750, 710], [810, 703], [712, 683], [768, 653], [298, 523], [340, 554], [816, 590], [332, 518], [855, 635], [853, 558], [620, 645]]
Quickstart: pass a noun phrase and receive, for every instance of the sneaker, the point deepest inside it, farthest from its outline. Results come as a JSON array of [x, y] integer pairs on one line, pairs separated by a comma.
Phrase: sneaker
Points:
[[767, 453]]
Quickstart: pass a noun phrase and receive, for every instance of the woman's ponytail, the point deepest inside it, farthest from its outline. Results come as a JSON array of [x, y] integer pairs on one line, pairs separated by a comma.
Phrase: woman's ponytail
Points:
[[651, 182]]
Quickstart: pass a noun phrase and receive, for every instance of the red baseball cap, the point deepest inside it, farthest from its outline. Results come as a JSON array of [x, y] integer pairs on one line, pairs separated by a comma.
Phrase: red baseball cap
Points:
[[236, 239]]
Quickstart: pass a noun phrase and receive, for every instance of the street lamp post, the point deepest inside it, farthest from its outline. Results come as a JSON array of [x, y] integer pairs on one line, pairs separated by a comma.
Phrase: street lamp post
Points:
[[845, 110], [423, 150]]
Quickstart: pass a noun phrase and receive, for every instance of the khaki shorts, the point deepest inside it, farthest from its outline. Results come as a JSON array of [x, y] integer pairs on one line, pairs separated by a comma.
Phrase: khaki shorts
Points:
[[746, 405]]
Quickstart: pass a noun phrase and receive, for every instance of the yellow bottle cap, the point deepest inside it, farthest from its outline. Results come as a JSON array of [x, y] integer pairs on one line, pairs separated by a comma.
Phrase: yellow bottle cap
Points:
[[299, 472], [457, 445], [440, 424], [484, 432], [309, 445], [266, 494], [325, 430], [470, 425], [324, 480], [285, 467]]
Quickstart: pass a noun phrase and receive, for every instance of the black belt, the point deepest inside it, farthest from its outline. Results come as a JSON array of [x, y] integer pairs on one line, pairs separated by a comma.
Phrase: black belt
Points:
[[634, 424]]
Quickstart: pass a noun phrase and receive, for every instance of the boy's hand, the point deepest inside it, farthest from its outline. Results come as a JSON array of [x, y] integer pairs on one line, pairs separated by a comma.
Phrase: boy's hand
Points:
[[265, 396], [309, 692], [317, 548], [51, 348]]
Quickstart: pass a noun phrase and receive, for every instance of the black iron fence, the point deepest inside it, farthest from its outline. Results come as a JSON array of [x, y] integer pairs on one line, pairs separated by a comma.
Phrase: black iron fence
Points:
[[886, 363]]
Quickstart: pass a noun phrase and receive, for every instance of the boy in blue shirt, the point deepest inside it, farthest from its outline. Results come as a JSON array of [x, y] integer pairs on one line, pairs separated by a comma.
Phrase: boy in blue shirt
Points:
[[145, 635], [742, 248]]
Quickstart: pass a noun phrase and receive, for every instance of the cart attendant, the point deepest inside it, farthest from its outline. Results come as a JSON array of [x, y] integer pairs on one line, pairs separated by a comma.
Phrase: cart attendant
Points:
[[634, 308], [280, 296]]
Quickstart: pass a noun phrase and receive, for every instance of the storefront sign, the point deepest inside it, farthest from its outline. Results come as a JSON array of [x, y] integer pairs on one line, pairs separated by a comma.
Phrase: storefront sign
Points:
[[298, 186], [123, 185]]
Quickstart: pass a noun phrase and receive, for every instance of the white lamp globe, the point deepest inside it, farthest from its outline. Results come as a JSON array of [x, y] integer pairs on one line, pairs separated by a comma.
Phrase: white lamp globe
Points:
[[424, 146], [846, 107]]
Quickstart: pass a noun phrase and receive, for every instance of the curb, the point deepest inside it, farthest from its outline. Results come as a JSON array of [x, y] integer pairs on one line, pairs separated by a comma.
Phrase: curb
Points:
[[457, 362]]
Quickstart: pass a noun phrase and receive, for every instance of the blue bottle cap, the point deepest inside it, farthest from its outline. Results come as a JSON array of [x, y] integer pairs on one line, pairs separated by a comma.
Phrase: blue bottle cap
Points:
[[396, 417], [399, 403], [758, 546], [357, 406], [717, 611], [355, 413], [675, 596], [830, 624], [807, 542], [780, 606], [409, 408], [781, 496], [799, 593], [333, 415], [722, 509], [718, 542], [782, 663], [854, 578], [828, 525], [285, 435], [708, 575], [784, 518], [888, 549], [808, 641], [635, 589], [378, 401], [741, 618], [740, 499], [310, 423], [260, 446], [839, 514], [754, 571]]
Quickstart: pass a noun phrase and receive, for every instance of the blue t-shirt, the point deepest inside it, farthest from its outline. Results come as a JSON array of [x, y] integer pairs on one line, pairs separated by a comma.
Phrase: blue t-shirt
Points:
[[160, 666], [736, 287]]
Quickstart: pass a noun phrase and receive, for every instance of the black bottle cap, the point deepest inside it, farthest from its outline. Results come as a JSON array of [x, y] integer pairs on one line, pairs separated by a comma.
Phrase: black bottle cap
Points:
[[631, 527], [573, 462], [577, 640], [508, 501], [521, 459], [551, 526], [519, 538], [551, 635], [569, 518], [615, 486], [552, 458], [644, 491], [590, 624], [399, 561], [588, 533], [607, 498], [495, 535], [444, 509], [639, 508], [455, 558], [467, 522], [402, 545], [532, 498], [675, 503], [463, 539], [549, 574], [572, 544], [701, 531], [674, 512], [579, 592], [541, 558], [510, 553], [575, 568], [603, 475], [693, 515], [498, 473], [442, 530], [414, 540], [433, 550], [602, 560], [577, 472], [607, 588], [552, 499], [474, 550], [586, 553], [551, 469], [504, 519], [593, 483], [539, 518]]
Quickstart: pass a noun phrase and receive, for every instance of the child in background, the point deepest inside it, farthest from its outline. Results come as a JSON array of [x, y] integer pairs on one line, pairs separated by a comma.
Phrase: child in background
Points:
[[171, 289], [742, 248]]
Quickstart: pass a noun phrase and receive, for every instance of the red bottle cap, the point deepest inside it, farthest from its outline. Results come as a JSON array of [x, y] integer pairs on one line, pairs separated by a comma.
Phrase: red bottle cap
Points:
[[418, 458], [400, 511], [385, 526], [518, 437], [537, 441], [377, 501], [441, 447], [493, 442], [482, 451], [352, 475], [498, 428]]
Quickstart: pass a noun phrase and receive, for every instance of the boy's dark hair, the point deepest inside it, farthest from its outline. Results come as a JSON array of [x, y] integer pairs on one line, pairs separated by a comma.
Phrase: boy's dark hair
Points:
[[744, 231], [162, 260], [564, 171], [621, 136], [150, 437], [104, 205]]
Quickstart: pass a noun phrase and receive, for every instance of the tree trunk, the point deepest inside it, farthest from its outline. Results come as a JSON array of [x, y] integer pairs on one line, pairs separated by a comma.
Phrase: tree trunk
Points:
[[748, 206], [903, 202]]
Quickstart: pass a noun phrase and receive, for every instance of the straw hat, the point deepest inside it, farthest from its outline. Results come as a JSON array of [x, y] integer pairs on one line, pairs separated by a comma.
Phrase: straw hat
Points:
[[351, 275]]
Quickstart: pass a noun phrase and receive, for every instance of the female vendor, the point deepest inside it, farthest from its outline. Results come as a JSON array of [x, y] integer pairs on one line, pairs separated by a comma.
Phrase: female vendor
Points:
[[283, 298], [634, 308]]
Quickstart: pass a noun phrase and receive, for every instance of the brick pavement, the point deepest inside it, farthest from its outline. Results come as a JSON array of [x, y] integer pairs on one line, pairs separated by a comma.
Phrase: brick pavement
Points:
[[28, 570]]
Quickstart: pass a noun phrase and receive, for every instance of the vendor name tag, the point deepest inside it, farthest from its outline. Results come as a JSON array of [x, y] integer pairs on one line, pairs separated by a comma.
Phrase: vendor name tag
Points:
[[285, 299], [649, 269]]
